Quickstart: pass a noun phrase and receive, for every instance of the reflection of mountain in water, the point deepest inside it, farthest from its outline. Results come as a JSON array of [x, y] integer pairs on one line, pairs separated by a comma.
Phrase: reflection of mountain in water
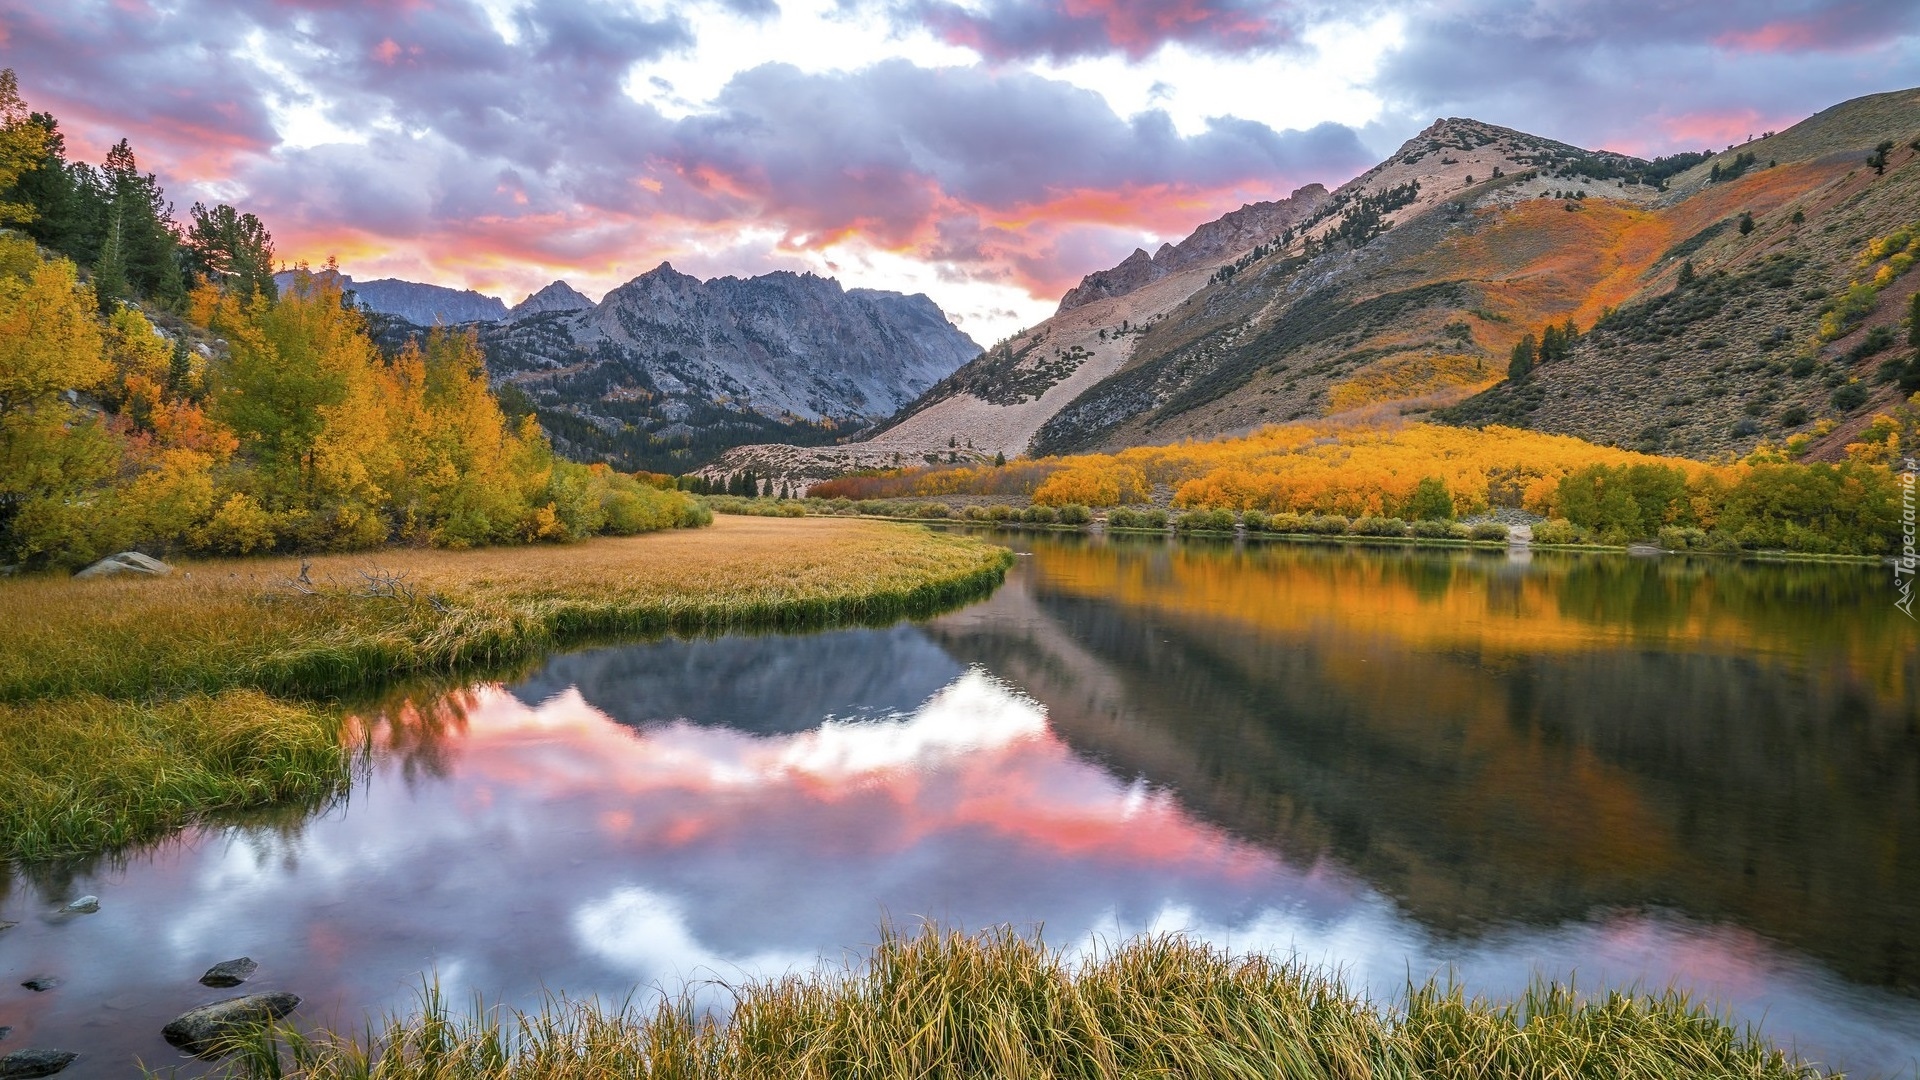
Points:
[[1630, 761], [766, 685]]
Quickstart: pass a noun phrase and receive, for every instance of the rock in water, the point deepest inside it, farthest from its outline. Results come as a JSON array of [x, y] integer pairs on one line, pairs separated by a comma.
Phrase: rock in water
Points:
[[4, 1032], [230, 972], [199, 1031], [27, 1064], [86, 905], [40, 984], [127, 562], [5, 925]]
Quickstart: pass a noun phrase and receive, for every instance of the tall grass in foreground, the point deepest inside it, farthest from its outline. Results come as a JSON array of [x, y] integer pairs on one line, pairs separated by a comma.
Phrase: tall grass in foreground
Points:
[[1004, 1006], [129, 707]]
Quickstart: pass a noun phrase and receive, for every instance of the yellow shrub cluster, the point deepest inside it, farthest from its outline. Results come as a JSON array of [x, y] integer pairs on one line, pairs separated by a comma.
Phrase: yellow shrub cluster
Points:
[[1333, 469], [1887, 257], [1418, 375]]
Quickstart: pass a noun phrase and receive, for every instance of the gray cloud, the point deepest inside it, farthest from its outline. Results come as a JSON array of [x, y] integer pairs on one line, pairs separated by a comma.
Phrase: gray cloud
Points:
[[1068, 29], [1652, 75], [887, 143], [525, 145]]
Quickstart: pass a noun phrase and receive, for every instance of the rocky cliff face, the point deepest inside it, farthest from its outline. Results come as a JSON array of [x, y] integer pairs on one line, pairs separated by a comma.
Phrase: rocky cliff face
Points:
[[784, 344], [1245, 228]]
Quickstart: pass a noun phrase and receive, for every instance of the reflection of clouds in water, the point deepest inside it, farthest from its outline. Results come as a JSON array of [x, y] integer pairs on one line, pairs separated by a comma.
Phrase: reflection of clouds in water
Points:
[[569, 852], [646, 935], [976, 713], [1098, 861]]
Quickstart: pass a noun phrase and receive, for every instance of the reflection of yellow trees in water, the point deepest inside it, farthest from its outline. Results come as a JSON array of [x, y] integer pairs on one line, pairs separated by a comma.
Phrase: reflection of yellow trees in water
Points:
[[1488, 604], [418, 727], [1488, 741]]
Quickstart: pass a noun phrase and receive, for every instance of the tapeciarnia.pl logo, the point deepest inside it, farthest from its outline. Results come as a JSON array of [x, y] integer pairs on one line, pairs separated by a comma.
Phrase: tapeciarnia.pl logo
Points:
[[1903, 563]]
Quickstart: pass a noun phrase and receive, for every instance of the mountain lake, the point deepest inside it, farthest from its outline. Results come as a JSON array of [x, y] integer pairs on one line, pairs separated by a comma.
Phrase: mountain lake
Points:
[[1398, 762]]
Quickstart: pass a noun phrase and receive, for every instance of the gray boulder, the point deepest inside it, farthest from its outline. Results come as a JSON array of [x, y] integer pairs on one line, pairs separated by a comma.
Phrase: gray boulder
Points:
[[40, 984], [127, 562], [86, 905], [28, 1064], [201, 1030], [230, 972]]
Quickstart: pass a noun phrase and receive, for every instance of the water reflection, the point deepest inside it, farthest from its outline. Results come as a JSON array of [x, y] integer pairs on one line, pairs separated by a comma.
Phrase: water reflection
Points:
[[1649, 772], [1736, 742]]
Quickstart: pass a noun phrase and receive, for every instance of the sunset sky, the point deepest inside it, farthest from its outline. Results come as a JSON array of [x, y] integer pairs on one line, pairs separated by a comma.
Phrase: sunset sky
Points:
[[985, 152]]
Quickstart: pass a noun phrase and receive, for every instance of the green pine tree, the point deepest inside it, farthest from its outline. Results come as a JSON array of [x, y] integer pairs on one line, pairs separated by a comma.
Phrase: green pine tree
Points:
[[110, 269], [231, 249], [1520, 362]]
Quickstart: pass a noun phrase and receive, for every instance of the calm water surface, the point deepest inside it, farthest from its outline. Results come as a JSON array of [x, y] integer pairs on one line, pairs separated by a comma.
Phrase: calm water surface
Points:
[[1400, 763]]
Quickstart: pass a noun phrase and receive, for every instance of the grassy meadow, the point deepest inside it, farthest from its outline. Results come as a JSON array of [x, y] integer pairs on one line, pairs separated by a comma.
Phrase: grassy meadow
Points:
[[1003, 1005], [132, 706]]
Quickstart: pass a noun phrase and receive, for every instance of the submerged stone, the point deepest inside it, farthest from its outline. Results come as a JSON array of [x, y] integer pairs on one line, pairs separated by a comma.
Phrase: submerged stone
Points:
[[199, 1031], [230, 972], [28, 1064], [86, 905], [40, 984], [5, 925]]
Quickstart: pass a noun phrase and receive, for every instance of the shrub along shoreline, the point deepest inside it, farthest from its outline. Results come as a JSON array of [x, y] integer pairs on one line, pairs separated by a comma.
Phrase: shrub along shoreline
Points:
[[1552, 534], [132, 707], [1000, 1004]]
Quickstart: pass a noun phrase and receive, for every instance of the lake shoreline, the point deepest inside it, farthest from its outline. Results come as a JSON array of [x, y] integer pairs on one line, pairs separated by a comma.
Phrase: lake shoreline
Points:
[[1383, 541], [132, 708]]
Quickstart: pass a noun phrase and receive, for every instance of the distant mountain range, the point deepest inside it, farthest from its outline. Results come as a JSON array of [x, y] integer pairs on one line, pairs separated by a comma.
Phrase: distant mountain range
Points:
[[422, 305], [1699, 284], [667, 371]]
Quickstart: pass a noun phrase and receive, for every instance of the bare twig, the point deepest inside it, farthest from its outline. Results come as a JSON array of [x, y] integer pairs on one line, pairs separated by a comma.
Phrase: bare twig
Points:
[[381, 584], [304, 583]]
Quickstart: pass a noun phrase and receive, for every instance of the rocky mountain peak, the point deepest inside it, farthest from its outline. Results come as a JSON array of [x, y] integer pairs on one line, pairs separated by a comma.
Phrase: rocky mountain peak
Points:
[[558, 296]]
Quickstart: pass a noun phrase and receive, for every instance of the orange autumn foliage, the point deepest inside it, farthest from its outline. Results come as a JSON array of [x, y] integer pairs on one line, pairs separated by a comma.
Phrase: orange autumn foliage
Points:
[[1351, 470]]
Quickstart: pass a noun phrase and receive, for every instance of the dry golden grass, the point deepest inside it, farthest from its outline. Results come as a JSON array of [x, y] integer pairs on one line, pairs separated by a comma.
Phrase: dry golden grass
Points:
[[999, 1006], [216, 625], [130, 654]]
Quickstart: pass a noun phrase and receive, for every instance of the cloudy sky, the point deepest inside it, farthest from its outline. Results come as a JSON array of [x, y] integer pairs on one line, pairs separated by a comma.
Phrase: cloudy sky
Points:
[[986, 152]]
